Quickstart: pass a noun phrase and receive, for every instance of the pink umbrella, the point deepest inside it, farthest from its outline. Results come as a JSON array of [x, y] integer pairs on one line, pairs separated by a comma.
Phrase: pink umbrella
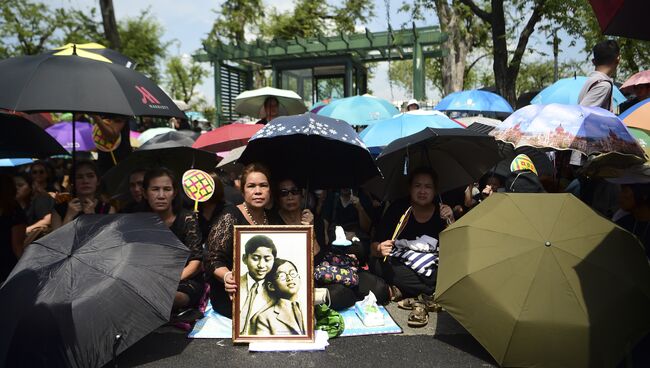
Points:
[[642, 77]]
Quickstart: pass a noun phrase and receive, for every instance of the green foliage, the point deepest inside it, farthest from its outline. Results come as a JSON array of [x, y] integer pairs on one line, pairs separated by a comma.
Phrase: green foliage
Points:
[[536, 75], [82, 27], [28, 28], [183, 78], [233, 18], [141, 41]]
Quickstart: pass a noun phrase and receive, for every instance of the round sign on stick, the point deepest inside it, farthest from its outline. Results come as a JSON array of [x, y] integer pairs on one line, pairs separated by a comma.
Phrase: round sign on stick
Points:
[[103, 144], [198, 185]]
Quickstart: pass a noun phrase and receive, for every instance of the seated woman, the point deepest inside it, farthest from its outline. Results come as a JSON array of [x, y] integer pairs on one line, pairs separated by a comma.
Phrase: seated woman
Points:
[[37, 206], [210, 210], [427, 218], [43, 178], [219, 258], [283, 315], [12, 227], [289, 211], [160, 190], [635, 200], [87, 200]]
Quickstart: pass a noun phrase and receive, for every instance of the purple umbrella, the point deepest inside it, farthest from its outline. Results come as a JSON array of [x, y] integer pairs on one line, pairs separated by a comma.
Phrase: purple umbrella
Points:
[[62, 132]]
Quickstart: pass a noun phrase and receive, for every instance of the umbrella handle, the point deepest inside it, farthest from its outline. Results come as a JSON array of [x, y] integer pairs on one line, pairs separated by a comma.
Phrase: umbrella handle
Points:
[[116, 344]]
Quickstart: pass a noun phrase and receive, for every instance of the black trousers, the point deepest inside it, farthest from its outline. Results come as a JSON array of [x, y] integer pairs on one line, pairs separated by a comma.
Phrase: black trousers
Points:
[[343, 297], [219, 299], [409, 282]]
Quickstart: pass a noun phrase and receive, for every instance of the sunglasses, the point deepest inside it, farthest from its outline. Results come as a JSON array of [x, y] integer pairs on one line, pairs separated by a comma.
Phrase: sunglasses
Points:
[[292, 191]]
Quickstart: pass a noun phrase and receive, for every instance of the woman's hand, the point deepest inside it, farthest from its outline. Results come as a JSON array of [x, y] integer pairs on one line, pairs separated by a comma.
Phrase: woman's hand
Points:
[[88, 206], [229, 284], [74, 207], [307, 217], [446, 213], [385, 247]]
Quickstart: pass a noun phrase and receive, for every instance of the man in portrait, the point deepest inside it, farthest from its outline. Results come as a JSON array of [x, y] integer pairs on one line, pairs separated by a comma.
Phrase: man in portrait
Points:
[[260, 252]]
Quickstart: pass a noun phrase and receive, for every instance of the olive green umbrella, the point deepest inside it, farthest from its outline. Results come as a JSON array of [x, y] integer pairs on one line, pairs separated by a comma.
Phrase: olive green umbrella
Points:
[[542, 280]]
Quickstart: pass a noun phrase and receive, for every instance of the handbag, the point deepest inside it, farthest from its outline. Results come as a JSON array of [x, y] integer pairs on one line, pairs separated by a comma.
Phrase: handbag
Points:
[[337, 269]]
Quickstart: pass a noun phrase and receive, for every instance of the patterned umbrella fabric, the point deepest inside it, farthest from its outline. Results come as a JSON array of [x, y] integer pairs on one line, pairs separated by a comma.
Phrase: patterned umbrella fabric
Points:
[[566, 91], [474, 100], [589, 130], [83, 132], [359, 110], [314, 150]]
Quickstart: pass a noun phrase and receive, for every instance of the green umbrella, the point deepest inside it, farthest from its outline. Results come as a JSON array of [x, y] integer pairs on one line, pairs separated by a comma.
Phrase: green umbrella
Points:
[[542, 280], [642, 137]]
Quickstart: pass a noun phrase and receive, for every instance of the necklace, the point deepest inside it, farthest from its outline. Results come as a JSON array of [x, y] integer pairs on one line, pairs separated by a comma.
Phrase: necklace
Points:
[[266, 221]]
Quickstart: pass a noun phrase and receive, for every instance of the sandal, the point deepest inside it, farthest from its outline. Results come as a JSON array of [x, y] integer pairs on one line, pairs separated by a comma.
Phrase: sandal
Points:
[[407, 303], [395, 293], [431, 306], [419, 317]]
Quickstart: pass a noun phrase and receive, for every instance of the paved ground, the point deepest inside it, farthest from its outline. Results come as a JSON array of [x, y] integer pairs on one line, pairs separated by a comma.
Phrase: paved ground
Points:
[[443, 343]]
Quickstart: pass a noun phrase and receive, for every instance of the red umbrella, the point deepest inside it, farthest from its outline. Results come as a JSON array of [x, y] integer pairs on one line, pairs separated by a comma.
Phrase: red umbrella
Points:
[[626, 18], [226, 137]]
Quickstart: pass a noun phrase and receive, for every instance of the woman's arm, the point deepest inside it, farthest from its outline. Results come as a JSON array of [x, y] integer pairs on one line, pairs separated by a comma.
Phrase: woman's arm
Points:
[[192, 268], [44, 222], [110, 130], [18, 239]]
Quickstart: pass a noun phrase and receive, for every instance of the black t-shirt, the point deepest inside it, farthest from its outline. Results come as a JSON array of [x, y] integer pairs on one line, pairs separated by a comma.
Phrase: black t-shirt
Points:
[[413, 228], [205, 224], [319, 227], [40, 206], [639, 228], [7, 257]]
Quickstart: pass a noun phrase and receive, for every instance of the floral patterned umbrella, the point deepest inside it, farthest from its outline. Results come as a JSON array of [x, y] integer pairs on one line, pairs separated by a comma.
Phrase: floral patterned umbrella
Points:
[[312, 149]]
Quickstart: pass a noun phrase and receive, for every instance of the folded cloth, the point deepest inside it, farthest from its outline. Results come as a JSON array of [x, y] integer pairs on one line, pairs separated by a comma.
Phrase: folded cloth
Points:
[[424, 244], [422, 262]]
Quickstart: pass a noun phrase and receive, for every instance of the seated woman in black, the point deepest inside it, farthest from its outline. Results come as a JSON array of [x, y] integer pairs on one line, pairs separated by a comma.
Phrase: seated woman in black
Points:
[[160, 190], [289, 210], [427, 218]]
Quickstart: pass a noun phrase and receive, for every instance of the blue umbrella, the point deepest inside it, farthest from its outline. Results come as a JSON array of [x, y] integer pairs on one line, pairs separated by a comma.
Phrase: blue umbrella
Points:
[[11, 162], [474, 100], [565, 91], [359, 110], [383, 132], [313, 150]]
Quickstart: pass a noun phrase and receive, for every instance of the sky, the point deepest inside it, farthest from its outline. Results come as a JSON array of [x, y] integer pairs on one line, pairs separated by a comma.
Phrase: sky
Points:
[[189, 21]]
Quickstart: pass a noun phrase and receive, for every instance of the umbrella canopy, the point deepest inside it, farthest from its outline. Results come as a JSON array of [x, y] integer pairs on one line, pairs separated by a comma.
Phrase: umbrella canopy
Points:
[[77, 84], [566, 91], [359, 110], [383, 132], [458, 156], [166, 140], [83, 132], [622, 17], [314, 150], [469, 120], [642, 77], [230, 162], [74, 290], [643, 138], [176, 156], [251, 102], [227, 137], [474, 100], [94, 51], [543, 280], [638, 116], [586, 129], [23, 139], [13, 162], [152, 132]]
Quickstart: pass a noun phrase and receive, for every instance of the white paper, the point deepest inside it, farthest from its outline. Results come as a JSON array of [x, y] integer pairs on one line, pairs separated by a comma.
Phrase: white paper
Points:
[[320, 342]]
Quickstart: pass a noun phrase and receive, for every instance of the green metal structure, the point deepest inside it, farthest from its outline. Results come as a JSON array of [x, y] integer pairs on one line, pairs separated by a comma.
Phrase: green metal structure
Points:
[[318, 67]]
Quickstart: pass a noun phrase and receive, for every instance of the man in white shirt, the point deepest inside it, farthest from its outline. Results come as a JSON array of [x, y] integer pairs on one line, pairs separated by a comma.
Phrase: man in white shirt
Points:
[[598, 89]]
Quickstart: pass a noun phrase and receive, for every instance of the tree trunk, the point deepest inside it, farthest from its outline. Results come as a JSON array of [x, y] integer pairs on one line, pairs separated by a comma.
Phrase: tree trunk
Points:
[[504, 84], [110, 25], [453, 64]]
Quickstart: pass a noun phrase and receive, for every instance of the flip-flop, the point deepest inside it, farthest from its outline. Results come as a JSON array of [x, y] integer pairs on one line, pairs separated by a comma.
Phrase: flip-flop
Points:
[[422, 298], [419, 317], [407, 303]]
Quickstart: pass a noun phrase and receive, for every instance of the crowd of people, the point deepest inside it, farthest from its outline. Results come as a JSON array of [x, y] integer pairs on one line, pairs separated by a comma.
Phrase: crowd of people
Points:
[[37, 200]]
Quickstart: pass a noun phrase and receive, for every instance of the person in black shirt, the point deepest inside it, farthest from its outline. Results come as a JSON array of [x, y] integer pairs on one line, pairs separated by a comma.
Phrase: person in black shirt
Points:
[[160, 190], [12, 227], [635, 199]]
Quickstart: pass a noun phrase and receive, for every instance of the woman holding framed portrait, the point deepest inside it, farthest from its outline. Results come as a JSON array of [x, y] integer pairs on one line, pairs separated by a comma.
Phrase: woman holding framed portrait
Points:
[[256, 190]]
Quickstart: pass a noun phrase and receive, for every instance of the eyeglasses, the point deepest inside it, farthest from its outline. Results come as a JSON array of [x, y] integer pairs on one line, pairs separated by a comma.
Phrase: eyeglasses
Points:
[[292, 191], [285, 276]]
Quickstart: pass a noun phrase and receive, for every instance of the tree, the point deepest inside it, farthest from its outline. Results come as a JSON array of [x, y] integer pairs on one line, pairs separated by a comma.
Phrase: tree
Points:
[[111, 30], [183, 76], [141, 41], [465, 35], [233, 18], [27, 28]]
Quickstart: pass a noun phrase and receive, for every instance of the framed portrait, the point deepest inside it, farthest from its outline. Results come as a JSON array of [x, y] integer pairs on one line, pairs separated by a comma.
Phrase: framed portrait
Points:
[[273, 268]]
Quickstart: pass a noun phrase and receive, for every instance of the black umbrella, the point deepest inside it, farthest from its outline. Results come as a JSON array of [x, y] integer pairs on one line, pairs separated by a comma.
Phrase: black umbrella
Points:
[[20, 138], [170, 154], [622, 17], [89, 290], [94, 51], [459, 157], [312, 149], [78, 84]]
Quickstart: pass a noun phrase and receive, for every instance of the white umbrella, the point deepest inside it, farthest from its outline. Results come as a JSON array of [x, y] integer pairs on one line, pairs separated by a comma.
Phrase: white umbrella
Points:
[[469, 120], [251, 102], [229, 163]]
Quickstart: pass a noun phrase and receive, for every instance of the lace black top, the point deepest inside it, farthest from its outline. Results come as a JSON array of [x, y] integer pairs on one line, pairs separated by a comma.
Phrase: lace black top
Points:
[[186, 229], [221, 239]]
